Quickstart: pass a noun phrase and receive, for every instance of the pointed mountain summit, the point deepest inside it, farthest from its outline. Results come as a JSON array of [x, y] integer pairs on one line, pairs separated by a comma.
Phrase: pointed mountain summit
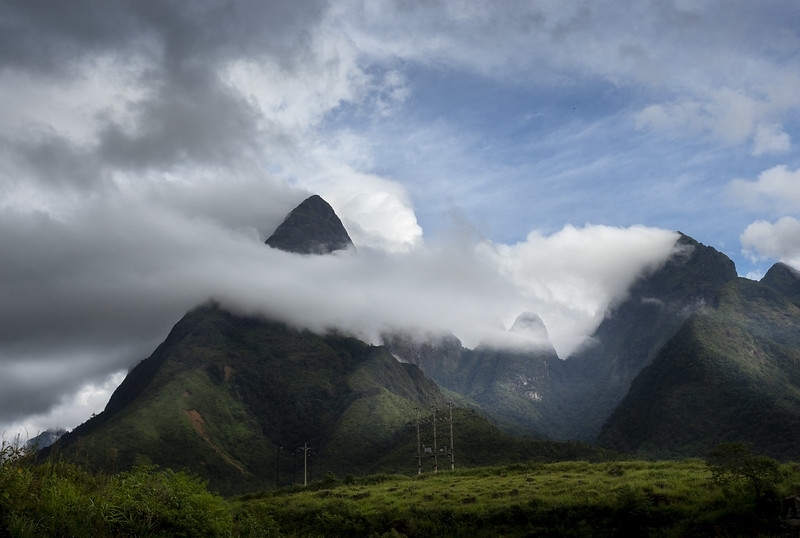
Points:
[[530, 324], [311, 228]]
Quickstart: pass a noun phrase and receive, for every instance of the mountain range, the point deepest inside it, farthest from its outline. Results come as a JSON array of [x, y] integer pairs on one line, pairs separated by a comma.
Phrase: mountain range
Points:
[[693, 356]]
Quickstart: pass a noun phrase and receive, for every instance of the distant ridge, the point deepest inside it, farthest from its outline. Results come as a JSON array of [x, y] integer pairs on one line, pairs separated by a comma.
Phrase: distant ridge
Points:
[[785, 280], [596, 378], [311, 228], [731, 373]]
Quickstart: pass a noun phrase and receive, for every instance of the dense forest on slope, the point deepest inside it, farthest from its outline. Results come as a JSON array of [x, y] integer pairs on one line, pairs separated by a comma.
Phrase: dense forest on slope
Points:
[[732, 373]]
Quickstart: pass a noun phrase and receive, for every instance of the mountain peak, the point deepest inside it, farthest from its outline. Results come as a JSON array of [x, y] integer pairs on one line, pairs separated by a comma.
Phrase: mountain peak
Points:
[[781, 270], [784, 279], [311, 228], [693, 270], [530, 324]]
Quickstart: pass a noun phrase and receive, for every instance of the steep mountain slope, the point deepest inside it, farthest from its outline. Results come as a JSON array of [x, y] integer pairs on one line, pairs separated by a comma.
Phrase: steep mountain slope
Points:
[[596, 378], [511, 385], [532, 392], [732, 373], [224, 392], [311, 228]]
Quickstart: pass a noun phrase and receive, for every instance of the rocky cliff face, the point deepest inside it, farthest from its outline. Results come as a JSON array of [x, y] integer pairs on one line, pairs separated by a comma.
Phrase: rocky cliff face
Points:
[[509, 382]]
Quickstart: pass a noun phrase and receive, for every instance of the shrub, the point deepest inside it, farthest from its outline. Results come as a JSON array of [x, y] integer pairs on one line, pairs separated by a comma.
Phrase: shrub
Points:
[[62, 499], [735, 462]]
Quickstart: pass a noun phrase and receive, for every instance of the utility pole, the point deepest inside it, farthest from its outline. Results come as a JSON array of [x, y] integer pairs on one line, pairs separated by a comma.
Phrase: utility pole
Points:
[[305, 448], [435, 449], [452, 460], [419, 448], [277, 466]]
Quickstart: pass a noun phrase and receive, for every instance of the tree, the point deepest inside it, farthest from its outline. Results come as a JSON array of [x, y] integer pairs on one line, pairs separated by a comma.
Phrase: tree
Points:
[[735, 462]]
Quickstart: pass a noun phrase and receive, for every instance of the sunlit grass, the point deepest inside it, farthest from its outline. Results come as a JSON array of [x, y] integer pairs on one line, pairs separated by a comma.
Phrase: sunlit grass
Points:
[[579, 498], [668, 496]]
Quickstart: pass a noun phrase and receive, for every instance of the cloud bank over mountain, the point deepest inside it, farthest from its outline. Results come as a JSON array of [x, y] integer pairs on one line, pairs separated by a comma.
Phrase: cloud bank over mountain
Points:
[[98, 290]]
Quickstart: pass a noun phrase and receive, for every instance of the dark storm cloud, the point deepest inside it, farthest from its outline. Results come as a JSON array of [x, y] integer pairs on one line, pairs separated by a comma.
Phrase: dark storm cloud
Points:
[[186, 113], [33, 385], [197, 121], [53, 161], [51, 36]]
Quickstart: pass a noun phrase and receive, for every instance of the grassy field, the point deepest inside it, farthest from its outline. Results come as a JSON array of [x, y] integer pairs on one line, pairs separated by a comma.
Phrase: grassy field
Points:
[[622, 498], [561, 499]]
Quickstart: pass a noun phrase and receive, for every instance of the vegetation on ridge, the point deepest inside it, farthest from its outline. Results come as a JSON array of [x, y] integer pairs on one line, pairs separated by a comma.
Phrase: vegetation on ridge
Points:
[[578, 498], [732, 373]]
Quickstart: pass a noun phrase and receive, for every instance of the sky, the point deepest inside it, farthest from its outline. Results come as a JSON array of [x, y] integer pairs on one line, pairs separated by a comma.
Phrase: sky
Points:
[[487, 159]]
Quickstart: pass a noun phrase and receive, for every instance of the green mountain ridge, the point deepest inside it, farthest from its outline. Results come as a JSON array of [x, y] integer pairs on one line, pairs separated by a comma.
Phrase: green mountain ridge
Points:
[[534, 392], [224, 391], [597, 377], [732, 373], [693, 356], [230, 398], [784, 280]]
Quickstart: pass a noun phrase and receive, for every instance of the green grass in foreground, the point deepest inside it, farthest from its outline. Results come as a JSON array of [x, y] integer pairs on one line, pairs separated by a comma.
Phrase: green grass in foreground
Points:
[[559, 499]]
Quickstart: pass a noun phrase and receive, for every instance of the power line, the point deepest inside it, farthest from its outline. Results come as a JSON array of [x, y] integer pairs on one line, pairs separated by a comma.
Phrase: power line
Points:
[[434, 451]]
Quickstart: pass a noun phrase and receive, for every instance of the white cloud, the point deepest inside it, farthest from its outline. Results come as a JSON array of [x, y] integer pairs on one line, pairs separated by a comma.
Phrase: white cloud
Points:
[[779, 240], [771, 139], [70, 411], [670, 117], [571, 277], [777, 187], [731, 115]]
